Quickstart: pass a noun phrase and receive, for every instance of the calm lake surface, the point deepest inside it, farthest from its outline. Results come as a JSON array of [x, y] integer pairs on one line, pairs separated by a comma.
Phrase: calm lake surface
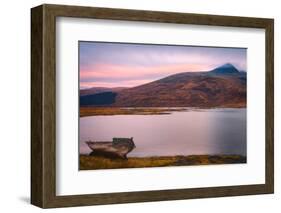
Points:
[[190, 132]]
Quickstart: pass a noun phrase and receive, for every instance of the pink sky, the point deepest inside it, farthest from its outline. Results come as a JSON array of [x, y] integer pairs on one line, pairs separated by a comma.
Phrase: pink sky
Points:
[[129, 65]]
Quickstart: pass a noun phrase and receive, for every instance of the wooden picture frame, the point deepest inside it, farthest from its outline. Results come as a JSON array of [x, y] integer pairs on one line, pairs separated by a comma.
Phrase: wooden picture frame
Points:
[[43, 105]]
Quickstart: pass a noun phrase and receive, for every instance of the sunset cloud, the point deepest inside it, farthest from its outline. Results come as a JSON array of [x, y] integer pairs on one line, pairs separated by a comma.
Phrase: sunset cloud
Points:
[[127, 65], [119, 71], [131, 83]]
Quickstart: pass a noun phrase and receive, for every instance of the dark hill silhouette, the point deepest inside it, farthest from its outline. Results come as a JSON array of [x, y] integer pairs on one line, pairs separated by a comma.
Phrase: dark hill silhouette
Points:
[[224, 86], [101, 99], [96, 90]]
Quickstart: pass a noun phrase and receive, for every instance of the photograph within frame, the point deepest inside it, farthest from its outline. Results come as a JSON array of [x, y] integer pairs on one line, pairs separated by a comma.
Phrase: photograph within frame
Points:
[[155, 105]]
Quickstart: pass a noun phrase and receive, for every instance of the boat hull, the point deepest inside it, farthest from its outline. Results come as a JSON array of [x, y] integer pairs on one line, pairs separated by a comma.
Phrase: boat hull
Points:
[[108, 149]]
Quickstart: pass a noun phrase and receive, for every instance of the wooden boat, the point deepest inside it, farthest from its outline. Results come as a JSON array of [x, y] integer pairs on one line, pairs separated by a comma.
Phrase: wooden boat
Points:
[[117, 148]]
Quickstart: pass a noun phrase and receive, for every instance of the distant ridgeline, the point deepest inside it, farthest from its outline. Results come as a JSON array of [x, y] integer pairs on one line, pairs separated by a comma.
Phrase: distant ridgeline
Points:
[[103, 98], [224, 86]]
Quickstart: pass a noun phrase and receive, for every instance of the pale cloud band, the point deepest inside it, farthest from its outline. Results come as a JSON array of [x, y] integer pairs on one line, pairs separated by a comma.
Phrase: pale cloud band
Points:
[[127, 65]]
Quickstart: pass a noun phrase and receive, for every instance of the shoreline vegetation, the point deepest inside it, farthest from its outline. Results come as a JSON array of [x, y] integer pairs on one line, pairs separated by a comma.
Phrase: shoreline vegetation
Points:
[[95, 111], [87, 162], [98, 111]]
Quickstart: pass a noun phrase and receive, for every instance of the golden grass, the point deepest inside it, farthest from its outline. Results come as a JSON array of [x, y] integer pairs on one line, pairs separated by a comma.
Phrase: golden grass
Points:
[[95, 162], [94, 111]]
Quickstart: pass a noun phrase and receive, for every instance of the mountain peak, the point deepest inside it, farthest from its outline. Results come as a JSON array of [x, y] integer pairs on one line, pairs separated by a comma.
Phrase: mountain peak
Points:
[[225, 69]]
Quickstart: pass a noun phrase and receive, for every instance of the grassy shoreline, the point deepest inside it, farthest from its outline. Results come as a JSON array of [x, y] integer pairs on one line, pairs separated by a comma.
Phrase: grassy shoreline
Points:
[[95, 111], [93, 162], [98, 111]]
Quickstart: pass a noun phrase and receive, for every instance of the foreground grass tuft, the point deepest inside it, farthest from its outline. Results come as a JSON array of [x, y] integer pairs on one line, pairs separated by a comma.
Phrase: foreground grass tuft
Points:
[[94, 162]]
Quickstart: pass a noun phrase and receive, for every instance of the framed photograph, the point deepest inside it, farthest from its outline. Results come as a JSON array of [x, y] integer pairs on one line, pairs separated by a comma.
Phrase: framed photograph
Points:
[[136, 106]]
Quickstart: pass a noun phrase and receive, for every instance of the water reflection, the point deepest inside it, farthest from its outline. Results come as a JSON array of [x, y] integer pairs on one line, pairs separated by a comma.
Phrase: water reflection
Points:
[[191, 132]]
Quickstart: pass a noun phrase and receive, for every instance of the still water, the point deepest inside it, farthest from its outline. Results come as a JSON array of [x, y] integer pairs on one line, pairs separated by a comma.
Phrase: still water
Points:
[[190, 132]]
